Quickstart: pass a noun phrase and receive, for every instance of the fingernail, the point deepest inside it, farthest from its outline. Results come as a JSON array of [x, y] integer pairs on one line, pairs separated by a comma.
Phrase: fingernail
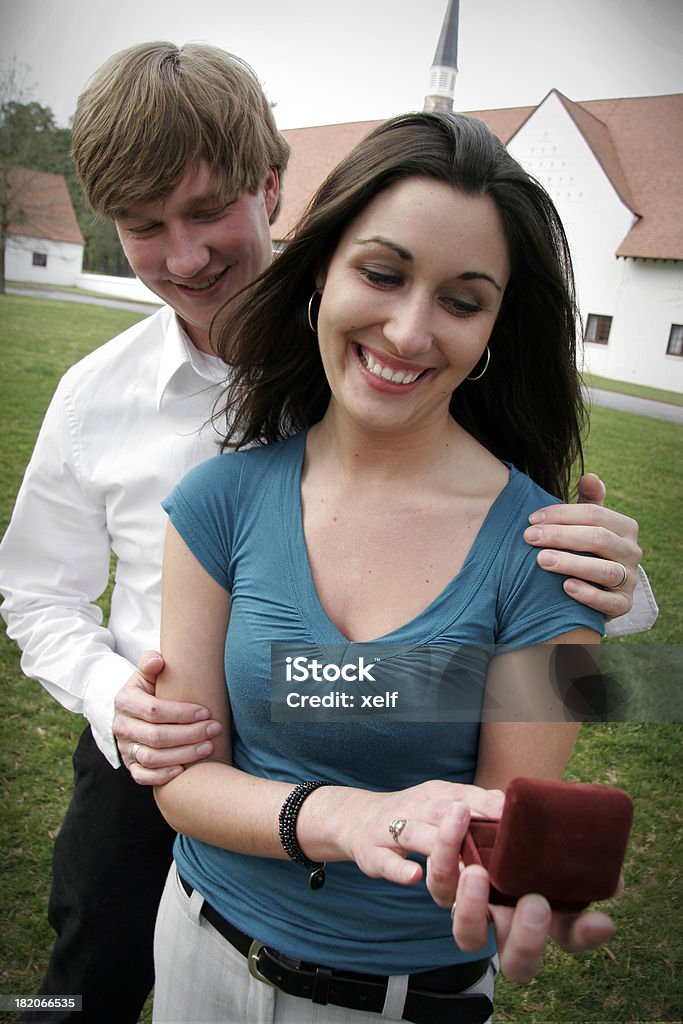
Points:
[[476, 886], [534, 534], [571, 587], [174, 773], [213, 729], [537, 517], [201, 715], [536, 912], [204, 748], [547, 559]]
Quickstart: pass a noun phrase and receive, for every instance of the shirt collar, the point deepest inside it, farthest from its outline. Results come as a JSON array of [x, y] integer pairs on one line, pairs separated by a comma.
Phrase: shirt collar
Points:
[[177, 353]]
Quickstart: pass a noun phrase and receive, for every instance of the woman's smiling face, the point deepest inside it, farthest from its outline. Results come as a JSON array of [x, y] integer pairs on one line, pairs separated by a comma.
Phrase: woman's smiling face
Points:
[[409, 300]]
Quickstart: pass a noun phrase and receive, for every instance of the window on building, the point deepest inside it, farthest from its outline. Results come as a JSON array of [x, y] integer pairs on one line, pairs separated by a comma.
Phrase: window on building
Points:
[[675, 346], [598, 328], [40, 259]]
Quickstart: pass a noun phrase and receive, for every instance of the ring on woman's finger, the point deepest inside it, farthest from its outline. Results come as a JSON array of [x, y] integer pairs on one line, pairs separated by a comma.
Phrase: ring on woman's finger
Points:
[[624, 578], [134, 753], [395, 829]]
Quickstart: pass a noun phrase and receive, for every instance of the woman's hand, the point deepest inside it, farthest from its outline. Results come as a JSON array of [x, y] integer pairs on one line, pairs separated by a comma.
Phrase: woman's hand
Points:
[[523, 930], [435, 814], [438, 829]]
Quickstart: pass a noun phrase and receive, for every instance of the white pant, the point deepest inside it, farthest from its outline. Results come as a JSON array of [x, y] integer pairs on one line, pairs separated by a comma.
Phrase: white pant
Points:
[[202, 979]]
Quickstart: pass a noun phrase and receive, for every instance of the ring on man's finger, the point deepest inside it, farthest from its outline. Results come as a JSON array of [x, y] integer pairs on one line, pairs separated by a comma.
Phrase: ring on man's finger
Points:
[[395, 829], [134, 753], [622, 581]]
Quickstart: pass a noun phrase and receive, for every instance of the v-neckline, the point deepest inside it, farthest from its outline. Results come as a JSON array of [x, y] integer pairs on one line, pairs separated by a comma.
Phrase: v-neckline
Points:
[[474, 567]]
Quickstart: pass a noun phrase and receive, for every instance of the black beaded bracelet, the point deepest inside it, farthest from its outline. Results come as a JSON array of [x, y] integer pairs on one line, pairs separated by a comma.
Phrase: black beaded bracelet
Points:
[[289, 812]]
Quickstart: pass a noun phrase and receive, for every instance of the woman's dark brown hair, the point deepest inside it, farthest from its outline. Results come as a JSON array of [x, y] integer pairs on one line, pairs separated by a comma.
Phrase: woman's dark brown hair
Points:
[[527, 408]]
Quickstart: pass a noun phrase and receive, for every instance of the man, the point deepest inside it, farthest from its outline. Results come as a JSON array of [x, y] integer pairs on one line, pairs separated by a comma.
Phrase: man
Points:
[[180, 148]]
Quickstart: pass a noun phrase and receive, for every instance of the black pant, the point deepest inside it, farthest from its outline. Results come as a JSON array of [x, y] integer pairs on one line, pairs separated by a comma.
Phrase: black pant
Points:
[[110, 862]]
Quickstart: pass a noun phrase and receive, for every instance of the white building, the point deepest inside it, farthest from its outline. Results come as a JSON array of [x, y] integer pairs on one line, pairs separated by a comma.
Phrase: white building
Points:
[[44, 242], [612, 167]]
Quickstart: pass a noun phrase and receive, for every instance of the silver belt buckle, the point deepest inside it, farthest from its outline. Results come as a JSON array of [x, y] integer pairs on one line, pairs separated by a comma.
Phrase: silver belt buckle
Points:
[[252, 961]]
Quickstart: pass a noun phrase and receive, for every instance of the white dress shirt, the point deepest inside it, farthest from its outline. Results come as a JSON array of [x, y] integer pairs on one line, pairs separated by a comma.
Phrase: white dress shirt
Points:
[[125, 424]]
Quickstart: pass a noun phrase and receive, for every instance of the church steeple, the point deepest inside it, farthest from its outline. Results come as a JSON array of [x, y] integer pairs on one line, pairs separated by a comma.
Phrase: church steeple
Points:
[[445, 63]]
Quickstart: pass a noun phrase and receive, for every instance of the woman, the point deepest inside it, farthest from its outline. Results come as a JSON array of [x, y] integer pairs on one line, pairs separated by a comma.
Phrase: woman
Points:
[[401, 367]]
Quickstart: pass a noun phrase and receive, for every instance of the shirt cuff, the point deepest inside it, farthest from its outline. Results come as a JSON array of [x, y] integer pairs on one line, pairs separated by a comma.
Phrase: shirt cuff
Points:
[[98, 704], [643, 614]]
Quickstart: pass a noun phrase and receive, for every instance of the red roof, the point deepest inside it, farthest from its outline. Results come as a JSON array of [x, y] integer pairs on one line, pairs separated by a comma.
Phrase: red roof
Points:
[[41, 207], [637, 141], [648, 139], [314, 152]]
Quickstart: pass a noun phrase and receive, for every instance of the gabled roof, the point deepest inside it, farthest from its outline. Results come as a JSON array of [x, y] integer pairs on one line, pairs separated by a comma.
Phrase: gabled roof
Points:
[[597, 135], [638, 142], [41, 207]]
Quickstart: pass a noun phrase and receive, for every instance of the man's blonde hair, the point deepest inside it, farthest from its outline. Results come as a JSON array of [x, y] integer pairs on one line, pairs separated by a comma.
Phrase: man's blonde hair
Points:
[[154, 109]]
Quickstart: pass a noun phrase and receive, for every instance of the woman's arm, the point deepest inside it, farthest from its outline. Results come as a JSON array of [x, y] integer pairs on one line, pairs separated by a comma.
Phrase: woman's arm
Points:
[[523, 733], [211, 800], [524, 729], [508, 748]]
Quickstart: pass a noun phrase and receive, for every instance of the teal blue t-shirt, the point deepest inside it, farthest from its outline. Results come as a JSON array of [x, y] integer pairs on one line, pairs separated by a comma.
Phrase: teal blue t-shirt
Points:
[[240, 514]]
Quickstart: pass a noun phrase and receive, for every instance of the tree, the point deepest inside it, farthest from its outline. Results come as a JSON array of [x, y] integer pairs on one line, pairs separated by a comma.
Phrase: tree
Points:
[[31, 137], [103, 253]]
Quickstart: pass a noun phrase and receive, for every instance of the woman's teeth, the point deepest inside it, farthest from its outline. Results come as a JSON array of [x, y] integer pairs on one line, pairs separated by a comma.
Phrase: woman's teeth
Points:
[[385, 372]]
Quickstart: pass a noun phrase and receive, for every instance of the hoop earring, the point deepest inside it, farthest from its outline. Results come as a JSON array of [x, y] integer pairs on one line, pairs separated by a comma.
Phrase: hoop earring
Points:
[[486, 366], [310, 311]]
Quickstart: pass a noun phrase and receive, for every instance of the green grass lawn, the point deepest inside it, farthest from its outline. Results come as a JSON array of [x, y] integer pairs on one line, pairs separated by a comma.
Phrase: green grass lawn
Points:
[[638, 977]]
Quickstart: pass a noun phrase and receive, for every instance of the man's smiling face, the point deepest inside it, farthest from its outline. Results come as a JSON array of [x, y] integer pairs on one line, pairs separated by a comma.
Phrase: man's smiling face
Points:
[[197, 248]]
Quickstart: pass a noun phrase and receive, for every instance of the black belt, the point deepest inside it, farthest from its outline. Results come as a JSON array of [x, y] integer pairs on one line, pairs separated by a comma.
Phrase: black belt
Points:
[[430, 999]]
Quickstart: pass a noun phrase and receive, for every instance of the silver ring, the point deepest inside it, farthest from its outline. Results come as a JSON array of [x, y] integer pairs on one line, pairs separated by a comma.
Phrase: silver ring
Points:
[[624, 578], [134, 753], [395, 829]]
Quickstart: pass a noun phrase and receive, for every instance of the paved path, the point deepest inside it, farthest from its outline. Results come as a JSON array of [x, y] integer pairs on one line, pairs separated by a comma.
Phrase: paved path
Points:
[[609, 399], [91, 300], [638, 406]]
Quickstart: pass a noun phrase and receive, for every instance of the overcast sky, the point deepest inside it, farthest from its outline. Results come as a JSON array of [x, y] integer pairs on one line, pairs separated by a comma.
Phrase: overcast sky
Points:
[[325, 61]]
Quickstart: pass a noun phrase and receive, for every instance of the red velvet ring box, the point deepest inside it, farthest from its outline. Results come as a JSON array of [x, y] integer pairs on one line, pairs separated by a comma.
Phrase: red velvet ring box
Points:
[[565, 840]]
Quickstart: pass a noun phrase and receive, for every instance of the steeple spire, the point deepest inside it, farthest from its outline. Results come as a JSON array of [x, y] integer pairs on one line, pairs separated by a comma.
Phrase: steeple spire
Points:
[[445, 63]]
